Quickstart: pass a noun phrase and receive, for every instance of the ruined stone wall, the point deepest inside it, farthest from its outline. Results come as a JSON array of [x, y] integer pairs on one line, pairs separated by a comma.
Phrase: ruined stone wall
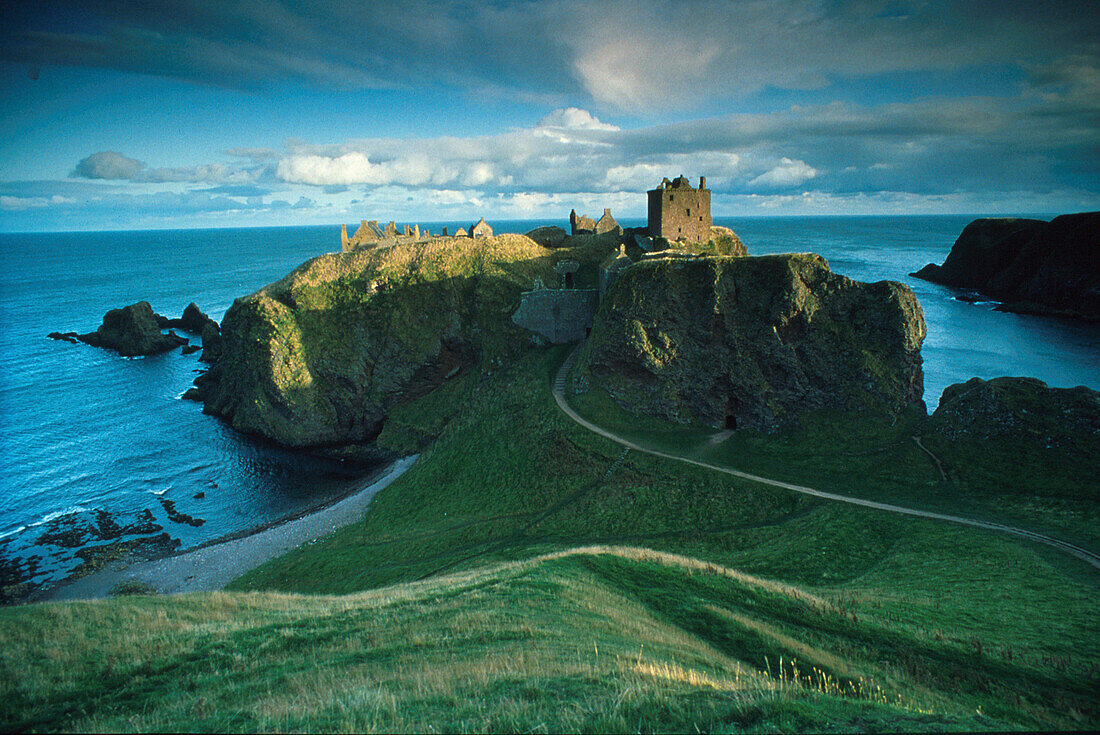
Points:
[[679, 212], [559, 316]]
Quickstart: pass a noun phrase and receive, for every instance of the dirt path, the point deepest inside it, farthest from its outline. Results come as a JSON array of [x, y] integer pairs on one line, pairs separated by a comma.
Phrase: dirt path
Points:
[[559, 397], [212, 567]]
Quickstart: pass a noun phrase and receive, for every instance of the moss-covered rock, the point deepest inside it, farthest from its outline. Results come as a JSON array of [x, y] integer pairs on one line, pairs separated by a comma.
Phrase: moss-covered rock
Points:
[[320, 357], [1017, 436], [723, 241], [752, 342]]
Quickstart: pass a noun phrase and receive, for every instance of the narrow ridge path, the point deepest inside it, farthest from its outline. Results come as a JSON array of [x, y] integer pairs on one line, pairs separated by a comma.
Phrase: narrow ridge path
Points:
[[559, 398]]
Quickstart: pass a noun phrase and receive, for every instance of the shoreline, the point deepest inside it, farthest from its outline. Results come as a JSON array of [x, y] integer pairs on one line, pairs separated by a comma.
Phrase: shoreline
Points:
[[213, 564]]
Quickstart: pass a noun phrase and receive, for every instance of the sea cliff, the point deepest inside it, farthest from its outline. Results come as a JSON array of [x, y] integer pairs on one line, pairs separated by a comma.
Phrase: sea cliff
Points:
[[319, 358], [752, 342], [1030, 265]]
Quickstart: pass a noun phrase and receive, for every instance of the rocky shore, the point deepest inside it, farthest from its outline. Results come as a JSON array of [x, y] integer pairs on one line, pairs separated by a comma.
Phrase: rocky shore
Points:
[[212, 566], [135, 331]]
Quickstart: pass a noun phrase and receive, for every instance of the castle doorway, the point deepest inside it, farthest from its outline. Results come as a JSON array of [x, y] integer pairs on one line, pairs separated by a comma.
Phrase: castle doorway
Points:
[[569, 280], [731, 423]]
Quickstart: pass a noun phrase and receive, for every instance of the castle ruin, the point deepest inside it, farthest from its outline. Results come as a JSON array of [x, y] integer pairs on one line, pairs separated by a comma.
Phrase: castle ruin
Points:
[[584, 225], [677, 211], [370, 234]]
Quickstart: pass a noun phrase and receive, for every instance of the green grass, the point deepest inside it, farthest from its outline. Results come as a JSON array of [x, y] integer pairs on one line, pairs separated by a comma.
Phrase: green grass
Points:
[[526, 574], [606, 640], [512, 477], [873, 455]]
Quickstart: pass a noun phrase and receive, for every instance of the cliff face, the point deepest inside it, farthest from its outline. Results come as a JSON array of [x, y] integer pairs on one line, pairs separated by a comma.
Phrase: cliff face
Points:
[[752, 342], [319, 357], [1030, 265]]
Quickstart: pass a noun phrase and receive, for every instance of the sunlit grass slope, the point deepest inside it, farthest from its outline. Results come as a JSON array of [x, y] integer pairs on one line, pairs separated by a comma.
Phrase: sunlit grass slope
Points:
[[526, 574], [596, 639]]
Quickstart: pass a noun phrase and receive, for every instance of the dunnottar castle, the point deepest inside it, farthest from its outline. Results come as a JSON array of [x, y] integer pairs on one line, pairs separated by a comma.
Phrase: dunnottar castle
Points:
[[676, 211]]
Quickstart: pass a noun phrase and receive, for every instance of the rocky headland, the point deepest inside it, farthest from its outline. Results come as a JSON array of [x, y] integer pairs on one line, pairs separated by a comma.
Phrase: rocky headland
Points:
[[752, 342], [318, 359], [1031, 266], [1019, 408], [1020, 437]]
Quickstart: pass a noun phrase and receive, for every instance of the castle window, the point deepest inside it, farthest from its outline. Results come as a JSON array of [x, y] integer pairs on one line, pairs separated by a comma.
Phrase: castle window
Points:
[[689, 211], [671, 197]]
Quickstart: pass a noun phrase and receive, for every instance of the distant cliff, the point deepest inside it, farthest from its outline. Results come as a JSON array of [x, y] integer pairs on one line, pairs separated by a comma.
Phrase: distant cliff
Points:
[[1030, 265], [752, 342]]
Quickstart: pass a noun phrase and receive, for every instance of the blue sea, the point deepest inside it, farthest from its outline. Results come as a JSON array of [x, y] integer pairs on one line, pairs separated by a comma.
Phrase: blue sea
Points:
[[83, 430]]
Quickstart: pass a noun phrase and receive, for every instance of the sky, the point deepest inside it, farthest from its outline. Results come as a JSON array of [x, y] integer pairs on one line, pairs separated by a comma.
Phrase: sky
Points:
[[147, 114]]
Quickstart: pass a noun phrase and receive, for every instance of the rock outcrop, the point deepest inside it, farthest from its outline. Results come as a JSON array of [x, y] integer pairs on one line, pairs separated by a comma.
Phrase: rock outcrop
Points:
[[318, 359], [211, 342], [1017, 408], [132, 331], [725, 241], [193, 320], [1030, 265], [752, 342]]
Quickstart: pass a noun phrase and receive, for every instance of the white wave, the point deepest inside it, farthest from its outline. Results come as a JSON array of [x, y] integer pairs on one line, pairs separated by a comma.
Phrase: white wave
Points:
[[59, 513], [5, 534]]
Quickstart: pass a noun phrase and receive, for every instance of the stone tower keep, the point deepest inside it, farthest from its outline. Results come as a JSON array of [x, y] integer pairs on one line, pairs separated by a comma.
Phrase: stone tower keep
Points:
[[677, 210]]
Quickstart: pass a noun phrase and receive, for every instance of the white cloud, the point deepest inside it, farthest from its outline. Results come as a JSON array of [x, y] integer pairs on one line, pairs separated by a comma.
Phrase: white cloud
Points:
[[17, 203], [834, 152], [573, 118], [787, 174], [350, 168]]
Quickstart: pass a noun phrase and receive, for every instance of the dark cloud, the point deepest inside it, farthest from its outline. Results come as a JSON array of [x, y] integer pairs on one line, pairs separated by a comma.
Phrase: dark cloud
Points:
[[115, 166], [629, 55], [108, 165]]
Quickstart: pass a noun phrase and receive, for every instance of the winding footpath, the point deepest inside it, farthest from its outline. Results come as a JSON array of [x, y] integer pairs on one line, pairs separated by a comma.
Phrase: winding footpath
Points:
[[559, 396]]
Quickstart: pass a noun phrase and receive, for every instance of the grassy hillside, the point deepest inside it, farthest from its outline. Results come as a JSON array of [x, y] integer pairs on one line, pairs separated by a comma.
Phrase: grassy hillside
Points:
[[1044, 483], [528, 575], [579, 641]]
